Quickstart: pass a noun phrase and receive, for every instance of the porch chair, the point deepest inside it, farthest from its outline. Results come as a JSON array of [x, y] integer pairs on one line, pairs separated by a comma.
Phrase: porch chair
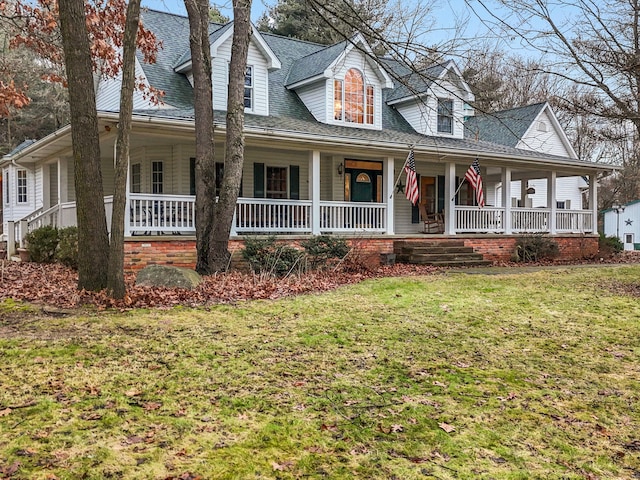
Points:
[[433, 223]]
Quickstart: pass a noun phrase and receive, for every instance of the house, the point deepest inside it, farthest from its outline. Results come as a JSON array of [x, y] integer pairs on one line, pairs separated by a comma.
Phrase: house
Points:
[[328, 130], [623, 222]]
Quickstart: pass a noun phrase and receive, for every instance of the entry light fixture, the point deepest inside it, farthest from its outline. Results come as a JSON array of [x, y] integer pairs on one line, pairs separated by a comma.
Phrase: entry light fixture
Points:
[[531, 190], [340, 169]]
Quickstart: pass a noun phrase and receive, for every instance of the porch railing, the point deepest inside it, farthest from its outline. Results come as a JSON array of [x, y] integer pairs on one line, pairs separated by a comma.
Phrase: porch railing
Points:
[[350, 217], [474, 219], [266, 215], [530, 220], [161, 213], [574, 221]]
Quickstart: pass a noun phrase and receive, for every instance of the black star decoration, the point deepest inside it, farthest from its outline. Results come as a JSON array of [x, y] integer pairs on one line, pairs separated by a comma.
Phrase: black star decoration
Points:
[[628, 222], [400, 188]]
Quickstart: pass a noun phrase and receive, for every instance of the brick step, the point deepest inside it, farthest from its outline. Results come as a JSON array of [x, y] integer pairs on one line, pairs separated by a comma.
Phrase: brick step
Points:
[[436, 250], [430, 258]]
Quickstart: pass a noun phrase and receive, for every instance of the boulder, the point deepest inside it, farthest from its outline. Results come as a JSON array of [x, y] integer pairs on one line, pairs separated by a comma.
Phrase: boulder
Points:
[[168, 276]]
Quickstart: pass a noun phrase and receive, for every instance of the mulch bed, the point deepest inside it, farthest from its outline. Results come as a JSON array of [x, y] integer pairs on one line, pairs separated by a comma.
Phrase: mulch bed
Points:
[[54, 285]]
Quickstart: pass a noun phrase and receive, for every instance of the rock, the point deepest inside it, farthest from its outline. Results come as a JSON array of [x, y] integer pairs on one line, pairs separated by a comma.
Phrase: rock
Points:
[[167, 276]]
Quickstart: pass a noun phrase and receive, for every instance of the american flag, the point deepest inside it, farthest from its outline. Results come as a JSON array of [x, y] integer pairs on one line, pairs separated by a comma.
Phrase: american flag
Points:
[[475, 179], [411, 191]]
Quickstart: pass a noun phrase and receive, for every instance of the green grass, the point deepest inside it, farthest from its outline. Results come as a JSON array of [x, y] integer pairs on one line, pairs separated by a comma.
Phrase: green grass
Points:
[[535, 375]]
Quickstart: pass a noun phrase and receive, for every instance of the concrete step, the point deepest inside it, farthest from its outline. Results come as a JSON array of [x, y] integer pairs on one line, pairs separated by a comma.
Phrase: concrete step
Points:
[[427, 258], [437, 250]]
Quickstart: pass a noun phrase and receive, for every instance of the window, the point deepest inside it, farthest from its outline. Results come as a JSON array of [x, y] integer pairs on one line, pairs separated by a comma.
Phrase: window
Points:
[[353, 101], [337, 99], [276, 182], [560, 205], [157, 177], [22, 186], [445, 116], [136, 178], [542, 127], [628, 238], [248, 88]]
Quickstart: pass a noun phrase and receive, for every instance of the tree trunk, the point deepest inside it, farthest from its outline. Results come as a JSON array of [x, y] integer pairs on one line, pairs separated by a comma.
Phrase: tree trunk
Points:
[[115, 278], [198, 12], [234, 151], [93, 241]]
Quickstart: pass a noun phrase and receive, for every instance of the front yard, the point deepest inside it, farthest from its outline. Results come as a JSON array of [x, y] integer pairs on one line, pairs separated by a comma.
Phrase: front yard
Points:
[[446, 376]]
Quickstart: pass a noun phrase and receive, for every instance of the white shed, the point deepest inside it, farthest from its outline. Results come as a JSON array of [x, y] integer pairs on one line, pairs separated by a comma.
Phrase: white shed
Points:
[[624, 222]]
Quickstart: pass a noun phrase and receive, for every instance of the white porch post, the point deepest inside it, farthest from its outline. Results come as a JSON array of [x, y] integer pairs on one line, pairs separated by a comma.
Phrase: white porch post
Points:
[[127, 199], [593, 201], [389, 182], [506, 199], [449, 199], [59, 182], [314, 190], [551, 201]]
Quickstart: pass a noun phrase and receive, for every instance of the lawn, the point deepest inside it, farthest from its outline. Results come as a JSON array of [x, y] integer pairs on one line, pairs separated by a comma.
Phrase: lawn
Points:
[[448, 376]]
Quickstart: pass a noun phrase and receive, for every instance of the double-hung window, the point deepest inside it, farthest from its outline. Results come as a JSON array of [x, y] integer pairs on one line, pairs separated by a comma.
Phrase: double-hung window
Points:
[[248, 88], [157, 177], [445, 115], [22, 186]]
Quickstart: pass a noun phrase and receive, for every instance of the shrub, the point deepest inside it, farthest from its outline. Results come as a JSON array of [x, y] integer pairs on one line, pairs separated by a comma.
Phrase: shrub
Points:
[[322, 250], [610, 245], [42, 243], [67, 251], [532, 248], [266, 256]]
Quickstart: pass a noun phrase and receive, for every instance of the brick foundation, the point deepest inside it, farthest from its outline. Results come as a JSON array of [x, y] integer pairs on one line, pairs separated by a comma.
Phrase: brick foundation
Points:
[[181, 252]]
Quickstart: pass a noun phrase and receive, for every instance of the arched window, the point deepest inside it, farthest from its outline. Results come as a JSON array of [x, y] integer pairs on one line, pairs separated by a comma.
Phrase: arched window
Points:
[[353, 100]]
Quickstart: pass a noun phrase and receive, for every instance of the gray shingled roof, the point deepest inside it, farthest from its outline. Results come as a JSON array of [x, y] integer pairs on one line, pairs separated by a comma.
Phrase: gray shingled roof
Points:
[[173, 32], [215, 32], [315, 63], [299, 60], [417, 82], [19, 148], [504, 128]]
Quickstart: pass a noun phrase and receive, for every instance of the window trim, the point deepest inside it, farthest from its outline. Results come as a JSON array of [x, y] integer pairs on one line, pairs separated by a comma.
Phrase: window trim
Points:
[[250, 74], [159, 180], [136, 178], [5, 184], [441, 115], [364, 104], [22, 186]]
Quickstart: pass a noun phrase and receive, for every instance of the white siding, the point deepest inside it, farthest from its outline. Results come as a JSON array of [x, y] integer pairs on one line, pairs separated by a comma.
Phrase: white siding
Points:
[[548, 141], [108, 93], [422, 114], [220, 78], [567, 190], [315, 98], [16, 211], [619, 223], [275, 158]]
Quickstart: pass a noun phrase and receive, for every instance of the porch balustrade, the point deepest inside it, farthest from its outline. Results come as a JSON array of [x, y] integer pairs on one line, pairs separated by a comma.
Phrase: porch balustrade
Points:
[[148, 214], [352, 217]]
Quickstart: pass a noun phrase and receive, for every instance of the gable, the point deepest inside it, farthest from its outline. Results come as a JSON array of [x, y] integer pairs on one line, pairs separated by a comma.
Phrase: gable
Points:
[[545, 135]]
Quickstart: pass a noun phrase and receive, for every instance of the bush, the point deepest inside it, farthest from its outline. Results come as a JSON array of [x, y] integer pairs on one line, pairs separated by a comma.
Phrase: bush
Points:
[[609, 246], [266, 256], [42, 243], [532, 248], [67, 251], [323, 250]]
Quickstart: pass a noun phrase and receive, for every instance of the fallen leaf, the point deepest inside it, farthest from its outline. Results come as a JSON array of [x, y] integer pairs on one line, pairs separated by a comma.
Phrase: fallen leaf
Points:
[[440, 384], [397, 428], [152, 406], [446, 427], [281, 467], [5, 412], [134, 392]]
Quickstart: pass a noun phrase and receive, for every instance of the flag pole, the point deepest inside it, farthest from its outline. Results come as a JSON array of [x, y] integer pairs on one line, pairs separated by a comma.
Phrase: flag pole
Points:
[[400, 174], [458, 189]]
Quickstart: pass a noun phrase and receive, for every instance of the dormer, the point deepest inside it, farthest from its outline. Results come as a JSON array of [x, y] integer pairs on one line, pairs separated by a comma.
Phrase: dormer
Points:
[[342, 84], [434, 101], [260, 61]]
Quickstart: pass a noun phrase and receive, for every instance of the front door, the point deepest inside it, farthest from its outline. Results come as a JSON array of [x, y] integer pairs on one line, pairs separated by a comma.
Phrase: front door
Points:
[[363, 181]]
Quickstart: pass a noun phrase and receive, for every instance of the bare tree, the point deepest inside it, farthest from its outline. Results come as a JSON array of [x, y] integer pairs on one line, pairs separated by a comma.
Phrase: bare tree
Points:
[[93, 241], [198, 12], [115, 273]]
